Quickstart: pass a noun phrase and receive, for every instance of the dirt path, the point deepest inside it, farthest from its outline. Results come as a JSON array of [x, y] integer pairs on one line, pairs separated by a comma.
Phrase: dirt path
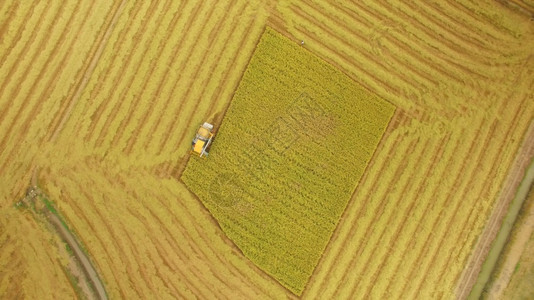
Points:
[[79, 255], [512, 258], [88, 269], [517, 171]]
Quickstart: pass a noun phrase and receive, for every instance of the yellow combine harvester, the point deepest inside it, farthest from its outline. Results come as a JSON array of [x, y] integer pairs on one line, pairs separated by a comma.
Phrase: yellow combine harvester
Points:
[[202, 140]]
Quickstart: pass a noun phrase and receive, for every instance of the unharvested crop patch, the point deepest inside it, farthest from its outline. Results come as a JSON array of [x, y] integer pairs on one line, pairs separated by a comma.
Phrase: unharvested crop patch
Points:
[[290, 152], [122, 85]]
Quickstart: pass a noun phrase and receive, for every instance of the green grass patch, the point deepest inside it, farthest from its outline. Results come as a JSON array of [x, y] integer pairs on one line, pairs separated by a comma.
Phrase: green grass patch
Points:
[[69, 249], [289, 154], [50, 206]]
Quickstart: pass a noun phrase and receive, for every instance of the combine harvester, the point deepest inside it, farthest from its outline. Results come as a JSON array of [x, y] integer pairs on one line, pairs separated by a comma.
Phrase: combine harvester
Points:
[[202, 140]]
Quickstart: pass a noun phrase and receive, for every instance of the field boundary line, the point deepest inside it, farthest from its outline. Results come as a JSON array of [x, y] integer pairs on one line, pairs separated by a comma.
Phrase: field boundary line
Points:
[[439, 155], [97, 218], [126, 65], [161, 46], [89, 71], [177, 170], [197, 68], [519, 242], [129, 142], [515, 175], [243, 40], [338, 252], [35, 108], [80, 256], [496, 162], [491, 259], [331, 249]]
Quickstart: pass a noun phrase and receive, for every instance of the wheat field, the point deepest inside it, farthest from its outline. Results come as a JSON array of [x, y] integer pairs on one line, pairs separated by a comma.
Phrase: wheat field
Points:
[[290, 152], [104, 97]]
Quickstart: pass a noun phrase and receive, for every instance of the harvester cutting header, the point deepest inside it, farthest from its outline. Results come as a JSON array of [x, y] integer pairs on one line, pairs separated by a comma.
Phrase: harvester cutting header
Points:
[[202, 140]]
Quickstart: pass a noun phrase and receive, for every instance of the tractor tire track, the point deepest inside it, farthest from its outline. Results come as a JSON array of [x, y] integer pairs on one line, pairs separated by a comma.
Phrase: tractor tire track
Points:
[[201, 32], [435, 160], [525, 153], [187, 31], [190, 118], [170, 31], [393, 214], [129, 62], [488, 182], [16, 90], [108, 109], [158, 91], [420, 77], [393, 244], [25, 48], [103, 77], [49, 86], [87, 73]]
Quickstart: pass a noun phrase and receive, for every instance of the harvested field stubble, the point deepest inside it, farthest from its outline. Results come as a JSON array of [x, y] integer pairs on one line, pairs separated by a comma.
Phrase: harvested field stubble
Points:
[[141, 76], [290, 151]]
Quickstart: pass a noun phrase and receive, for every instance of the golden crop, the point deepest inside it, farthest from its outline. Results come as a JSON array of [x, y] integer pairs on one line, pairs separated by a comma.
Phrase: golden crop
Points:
[[291, 150], [104, 97]]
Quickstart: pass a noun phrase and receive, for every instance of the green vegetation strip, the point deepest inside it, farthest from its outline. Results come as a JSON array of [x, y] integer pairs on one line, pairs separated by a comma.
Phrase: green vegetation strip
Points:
[[53, 210], [75, 248], [289, 154], [504, 232], [50, 206]]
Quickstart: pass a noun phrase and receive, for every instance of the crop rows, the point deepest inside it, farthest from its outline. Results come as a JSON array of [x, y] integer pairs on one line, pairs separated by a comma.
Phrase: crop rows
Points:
[[144, 104], [289, 153], [110, 102], [104, 96], [455, 195]]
